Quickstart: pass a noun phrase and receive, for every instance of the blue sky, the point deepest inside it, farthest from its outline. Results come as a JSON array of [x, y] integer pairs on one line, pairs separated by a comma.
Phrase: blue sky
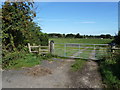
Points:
[[78, 17]]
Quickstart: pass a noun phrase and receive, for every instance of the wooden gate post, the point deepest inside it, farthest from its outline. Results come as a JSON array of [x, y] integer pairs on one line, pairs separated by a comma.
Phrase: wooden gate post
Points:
[[113, 49], [51, 46], [29, 47], [39, 51]]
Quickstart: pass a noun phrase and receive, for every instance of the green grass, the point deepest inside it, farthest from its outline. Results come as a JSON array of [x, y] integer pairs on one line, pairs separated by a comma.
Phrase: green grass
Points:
[[73, 40], [59, 51], [28, 60], [70, 51], [86, 53], [110, 67], [79, 63]]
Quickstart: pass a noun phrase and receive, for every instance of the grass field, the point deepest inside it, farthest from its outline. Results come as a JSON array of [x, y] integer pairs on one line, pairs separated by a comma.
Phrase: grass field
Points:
[[83, 51], [73, 40]]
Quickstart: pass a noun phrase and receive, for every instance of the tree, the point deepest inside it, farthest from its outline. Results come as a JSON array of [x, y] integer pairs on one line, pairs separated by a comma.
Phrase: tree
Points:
[[63, 35], [77, 35], [108, 36], [70, 36], [117, 38], [0, 25], [103, 36], [18, 27]]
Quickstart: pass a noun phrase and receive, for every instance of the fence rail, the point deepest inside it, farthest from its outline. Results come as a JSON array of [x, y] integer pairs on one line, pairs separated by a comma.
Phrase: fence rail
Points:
[[38, 49], [82, 44], [74, 50], [80, 50]]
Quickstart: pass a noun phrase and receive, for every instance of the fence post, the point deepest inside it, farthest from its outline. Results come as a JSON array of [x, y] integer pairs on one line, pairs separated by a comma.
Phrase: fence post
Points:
[[51, 46], [94, 47], [79, 50], [29, 47], [39, 51], [65, 50], [113, 49]]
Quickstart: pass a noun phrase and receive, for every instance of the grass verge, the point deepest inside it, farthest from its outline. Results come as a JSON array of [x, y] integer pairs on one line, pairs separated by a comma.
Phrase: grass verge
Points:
[[79, 63], [27, 60], [109, 69]]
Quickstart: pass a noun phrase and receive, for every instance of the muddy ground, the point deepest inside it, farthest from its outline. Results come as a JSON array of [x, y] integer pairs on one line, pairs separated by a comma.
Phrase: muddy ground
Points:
[[53, 74]]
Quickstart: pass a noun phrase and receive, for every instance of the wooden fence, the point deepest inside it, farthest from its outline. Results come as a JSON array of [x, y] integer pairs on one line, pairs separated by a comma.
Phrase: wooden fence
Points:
[[42, 49], [51, 48], [113, 49]]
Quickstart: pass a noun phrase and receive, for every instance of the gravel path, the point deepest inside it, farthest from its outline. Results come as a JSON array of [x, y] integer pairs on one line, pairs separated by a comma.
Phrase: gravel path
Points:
[[53, 74], [87, 77]]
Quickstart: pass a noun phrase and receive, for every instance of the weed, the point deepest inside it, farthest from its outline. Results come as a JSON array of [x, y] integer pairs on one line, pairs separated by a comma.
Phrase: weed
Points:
[[79, 63], [109, 68]]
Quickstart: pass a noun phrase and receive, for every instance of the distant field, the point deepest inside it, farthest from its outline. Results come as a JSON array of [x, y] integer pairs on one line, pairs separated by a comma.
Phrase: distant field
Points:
[[90, 41], [83, 51]]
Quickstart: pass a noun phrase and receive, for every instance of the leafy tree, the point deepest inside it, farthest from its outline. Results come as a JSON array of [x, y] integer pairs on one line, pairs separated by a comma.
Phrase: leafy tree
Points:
[[18, 27], [16, 22], [0, 25], [103, 36], [55, 35], [108, 36], [77, 35], [117, 38], [63, 35], [70, 36]]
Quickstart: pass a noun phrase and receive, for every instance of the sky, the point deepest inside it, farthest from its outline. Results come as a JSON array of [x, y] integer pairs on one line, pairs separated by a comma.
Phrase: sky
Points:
[[91, 18], [119, 15]]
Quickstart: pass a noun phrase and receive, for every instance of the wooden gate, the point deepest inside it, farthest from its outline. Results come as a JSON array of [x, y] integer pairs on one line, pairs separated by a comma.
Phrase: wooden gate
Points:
[[41, 49]]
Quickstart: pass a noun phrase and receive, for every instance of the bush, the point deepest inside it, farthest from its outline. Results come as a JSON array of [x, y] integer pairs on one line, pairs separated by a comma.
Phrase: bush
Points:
[[22, 59], [110, 70], [43, 39], [117, 39]]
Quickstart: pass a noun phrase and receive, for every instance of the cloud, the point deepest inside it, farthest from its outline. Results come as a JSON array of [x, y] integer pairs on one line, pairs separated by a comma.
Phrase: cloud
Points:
[[56, 20], [87, 22]]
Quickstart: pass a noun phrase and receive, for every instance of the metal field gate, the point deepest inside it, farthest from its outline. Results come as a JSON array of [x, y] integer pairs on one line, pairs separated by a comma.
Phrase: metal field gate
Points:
[[84, 51]]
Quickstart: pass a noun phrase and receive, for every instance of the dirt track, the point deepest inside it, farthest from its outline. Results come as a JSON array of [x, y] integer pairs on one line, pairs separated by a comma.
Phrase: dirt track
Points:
[[53, 74]]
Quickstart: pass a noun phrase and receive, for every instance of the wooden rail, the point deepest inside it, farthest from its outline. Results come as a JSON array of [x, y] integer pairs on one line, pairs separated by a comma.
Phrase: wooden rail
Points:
[[114, 48], [42, 49], [39, 48]]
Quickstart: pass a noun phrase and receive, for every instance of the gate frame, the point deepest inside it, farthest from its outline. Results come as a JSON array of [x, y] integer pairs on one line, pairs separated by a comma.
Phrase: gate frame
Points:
[[50, 48], [79, 44]]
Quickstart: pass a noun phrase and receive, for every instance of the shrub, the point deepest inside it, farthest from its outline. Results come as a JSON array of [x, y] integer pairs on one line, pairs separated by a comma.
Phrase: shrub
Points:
[[17, 60], [109, 68], [117, 38]]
